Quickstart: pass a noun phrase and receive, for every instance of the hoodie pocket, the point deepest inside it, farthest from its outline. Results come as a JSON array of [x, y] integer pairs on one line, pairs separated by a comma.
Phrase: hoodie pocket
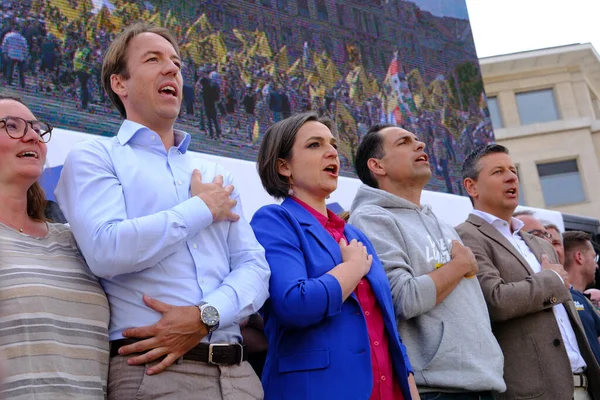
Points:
[[468, 357]]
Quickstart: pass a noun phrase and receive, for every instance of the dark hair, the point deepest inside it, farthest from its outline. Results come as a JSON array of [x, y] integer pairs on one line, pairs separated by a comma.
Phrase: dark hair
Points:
[[36, 199], [277, 144], [471, 167], [115, 58], [371, 146], [573, 241]]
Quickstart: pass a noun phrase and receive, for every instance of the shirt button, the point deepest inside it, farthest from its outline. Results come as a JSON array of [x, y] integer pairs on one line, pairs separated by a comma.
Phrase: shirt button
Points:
[[195, 246], [367, 313], [202, 281], [556, 342], [179, 183], [152, 137], [376, 343], [383, 378]]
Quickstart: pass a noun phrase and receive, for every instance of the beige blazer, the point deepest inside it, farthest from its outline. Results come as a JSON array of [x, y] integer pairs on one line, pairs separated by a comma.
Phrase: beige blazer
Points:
[[536, 365]]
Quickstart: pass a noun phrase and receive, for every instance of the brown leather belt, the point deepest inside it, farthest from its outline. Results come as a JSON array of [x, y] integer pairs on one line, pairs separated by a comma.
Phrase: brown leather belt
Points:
[[213, 353]]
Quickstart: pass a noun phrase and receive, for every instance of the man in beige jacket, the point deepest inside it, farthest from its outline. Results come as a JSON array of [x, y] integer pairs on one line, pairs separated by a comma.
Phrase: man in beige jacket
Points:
[[546, 353]]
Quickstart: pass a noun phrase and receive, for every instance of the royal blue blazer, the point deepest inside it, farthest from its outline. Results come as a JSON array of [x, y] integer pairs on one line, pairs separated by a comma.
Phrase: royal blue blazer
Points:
[[318, 345]]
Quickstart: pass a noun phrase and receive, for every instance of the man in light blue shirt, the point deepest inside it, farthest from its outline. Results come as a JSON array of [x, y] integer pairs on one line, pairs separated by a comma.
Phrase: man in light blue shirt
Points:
[[179, 264]]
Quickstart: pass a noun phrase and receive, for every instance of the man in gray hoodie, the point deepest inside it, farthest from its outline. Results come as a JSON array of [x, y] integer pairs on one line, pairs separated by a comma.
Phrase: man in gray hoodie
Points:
[[440, 309]]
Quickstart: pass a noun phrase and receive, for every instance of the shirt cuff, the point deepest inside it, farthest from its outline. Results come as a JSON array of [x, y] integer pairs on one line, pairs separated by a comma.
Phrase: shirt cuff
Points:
[[195, 214], [223, 299]]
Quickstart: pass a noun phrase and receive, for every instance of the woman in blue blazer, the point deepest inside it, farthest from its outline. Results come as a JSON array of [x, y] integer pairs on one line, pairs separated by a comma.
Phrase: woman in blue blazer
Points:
[[330, 320]]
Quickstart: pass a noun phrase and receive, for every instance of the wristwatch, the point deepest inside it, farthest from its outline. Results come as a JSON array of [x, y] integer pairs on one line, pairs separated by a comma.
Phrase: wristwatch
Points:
[[209, 315]]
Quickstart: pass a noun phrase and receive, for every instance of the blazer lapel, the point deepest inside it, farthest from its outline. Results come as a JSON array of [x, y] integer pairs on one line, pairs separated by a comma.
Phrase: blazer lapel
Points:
[[311, 225], [488, 230]]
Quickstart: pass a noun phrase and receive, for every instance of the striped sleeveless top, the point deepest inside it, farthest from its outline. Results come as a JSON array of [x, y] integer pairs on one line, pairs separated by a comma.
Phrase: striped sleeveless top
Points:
[[53, 319]]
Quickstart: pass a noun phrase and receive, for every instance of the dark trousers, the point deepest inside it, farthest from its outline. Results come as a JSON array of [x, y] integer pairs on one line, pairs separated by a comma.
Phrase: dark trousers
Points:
[[85, 91], [188, 99], [11, 69], [457, 396], [212, 120]]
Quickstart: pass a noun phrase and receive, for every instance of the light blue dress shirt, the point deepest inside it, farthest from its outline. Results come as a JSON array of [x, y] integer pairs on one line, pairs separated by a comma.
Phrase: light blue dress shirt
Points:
[[129, 205]]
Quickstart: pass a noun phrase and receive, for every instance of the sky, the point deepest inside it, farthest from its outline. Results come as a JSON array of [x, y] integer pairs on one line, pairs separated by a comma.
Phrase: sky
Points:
[[509, 26]]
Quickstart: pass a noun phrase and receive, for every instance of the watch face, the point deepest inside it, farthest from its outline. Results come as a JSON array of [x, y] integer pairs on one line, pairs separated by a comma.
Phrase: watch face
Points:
[[210, 316]]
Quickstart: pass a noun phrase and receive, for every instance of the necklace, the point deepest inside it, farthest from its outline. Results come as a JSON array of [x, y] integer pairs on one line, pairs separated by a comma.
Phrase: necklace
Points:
[[13, 227]]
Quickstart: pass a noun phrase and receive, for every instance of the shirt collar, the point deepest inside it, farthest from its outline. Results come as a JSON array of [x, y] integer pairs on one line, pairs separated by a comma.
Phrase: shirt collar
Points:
[[130, 129], [332, 221], [515, 223]]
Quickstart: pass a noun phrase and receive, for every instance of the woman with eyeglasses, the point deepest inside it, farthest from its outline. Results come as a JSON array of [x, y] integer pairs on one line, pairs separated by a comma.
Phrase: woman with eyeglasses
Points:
[[53, 313]]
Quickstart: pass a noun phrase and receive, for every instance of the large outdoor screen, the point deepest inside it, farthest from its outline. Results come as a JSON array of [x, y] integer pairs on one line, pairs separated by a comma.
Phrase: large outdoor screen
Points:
[[248, 64]]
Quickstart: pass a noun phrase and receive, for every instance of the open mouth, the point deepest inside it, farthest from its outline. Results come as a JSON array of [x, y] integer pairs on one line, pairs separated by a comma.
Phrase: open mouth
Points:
[[28, 154], [332, 169], [168, 89], [512, 192], [422, 158]]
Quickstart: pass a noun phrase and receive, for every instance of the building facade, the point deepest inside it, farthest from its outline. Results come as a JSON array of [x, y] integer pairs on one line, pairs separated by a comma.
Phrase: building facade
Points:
[[545, 108]]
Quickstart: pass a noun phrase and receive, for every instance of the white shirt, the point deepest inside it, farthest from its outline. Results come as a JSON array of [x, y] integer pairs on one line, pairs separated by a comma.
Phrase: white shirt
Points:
[[578, 364], [129, 205]]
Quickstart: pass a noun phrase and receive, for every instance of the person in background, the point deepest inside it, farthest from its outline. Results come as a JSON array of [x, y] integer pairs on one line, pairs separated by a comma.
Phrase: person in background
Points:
[[54, 325], [15, 51], [581, 263], [330, 318], [249, 104], [557, 239], [83, 69]]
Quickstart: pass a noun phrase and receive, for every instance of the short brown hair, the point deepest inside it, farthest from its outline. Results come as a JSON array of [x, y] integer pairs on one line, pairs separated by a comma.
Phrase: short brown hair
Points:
[[574, 241], [277, 144], [115, 58]]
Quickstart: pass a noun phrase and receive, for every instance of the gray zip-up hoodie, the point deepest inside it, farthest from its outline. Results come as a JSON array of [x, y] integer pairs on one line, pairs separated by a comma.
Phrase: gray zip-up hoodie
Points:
[[451, 346]]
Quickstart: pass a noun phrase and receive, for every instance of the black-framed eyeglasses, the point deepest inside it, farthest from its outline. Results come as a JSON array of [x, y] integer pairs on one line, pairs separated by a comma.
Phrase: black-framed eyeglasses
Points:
[[16, 128], [541, 234]]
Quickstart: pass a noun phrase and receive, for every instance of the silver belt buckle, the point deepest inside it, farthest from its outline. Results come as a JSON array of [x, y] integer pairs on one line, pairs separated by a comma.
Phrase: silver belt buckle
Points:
[[210, 352], [241, 353]]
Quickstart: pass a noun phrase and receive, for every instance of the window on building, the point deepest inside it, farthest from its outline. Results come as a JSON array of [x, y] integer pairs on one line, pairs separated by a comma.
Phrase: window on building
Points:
[[537, 106], [376, 25], [327, 45], [492, 103], [561, 183], [340, 14], [322, 13], [282, 5], [288, 36], [303, 8], [383, 59], [366, 25], [363, 55], [357, 19]]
